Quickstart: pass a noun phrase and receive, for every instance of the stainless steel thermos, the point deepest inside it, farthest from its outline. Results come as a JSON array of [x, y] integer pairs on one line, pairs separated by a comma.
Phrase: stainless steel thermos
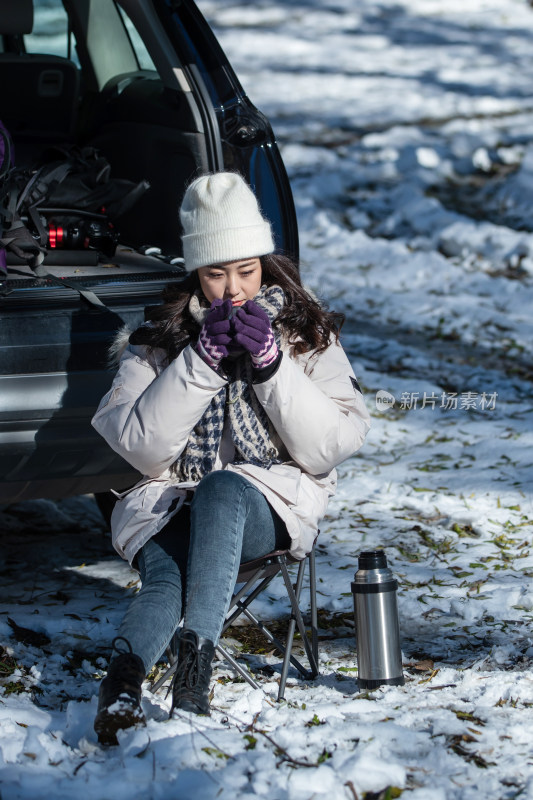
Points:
[[377, 630]]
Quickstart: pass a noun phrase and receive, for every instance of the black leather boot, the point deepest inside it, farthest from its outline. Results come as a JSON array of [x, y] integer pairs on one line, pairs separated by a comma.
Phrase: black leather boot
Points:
[[190, 688], [119, 698]]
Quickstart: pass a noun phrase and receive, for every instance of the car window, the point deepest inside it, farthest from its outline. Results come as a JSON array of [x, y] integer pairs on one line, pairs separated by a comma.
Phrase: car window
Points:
[[50, 33], [143, 56], [112, 42]]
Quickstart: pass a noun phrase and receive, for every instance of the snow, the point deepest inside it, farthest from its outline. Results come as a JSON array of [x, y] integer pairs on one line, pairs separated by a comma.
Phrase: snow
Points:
[[406, 131]]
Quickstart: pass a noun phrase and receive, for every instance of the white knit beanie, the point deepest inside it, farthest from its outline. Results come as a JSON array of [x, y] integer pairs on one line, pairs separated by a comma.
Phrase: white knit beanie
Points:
[[222, 222]]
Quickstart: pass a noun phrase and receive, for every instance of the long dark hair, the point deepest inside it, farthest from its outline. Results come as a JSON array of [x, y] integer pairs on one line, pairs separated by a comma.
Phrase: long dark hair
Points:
[[307, 324]]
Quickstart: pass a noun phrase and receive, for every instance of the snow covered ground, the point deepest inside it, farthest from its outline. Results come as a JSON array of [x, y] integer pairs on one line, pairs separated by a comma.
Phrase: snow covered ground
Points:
[[407, 130]]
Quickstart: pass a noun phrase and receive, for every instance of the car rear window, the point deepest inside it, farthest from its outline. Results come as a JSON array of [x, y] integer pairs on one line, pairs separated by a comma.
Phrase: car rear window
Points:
[[50, 33]]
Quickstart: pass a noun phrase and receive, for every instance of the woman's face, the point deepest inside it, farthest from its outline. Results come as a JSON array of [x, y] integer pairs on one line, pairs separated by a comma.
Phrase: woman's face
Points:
[[237, 281]]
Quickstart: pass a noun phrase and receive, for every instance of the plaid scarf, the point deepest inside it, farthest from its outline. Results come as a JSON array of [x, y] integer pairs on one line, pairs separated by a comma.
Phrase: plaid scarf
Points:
[[254, 438]]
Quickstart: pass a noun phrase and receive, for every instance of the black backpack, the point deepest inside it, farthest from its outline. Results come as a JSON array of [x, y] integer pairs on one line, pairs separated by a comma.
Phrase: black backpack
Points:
[[67, 201]]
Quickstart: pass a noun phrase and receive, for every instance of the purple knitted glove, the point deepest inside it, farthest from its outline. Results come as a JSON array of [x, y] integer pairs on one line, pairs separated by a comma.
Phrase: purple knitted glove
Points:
[[214, 335], [253, 331]]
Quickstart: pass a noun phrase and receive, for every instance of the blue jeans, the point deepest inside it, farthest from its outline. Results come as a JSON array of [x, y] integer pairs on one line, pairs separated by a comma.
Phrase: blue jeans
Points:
[[191, 566]]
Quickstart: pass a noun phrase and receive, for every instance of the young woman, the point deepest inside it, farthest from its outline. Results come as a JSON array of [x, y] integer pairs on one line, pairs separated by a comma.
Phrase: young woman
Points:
[[236, 402]]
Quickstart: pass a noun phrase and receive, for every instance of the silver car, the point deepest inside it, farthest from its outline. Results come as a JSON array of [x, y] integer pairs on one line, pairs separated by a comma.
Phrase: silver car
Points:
[[146, 83]]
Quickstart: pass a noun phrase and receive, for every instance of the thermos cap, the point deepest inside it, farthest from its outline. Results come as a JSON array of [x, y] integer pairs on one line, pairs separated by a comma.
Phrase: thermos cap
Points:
[[372, 559]]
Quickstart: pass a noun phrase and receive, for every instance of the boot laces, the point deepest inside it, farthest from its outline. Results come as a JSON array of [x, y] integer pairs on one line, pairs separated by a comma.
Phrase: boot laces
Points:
[[188, 672], [123, 675], [193, 670], [120, 648]]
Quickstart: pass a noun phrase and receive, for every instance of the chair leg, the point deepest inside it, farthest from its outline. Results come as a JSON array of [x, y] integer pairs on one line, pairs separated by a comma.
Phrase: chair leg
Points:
[[236, 666], [171, 653], [223, 652], [239, 605], [164, 678], [242, 604], [247, 586], [314, 613], [294, 597], [285, 667], [275, 641], [296, 619]]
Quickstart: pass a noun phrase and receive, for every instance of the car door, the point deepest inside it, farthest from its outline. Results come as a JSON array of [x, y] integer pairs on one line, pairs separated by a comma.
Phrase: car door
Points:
[[172, 108], [245, 140]]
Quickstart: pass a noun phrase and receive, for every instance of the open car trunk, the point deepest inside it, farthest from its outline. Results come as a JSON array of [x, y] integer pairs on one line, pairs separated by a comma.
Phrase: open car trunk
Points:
[[146, 83]]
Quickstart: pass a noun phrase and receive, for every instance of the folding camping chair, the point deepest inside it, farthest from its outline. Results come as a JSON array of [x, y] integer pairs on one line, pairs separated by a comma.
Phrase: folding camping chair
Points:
[[256, 576]]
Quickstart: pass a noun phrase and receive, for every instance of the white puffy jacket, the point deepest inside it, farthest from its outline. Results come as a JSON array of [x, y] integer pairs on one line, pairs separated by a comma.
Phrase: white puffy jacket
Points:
[[152, 407]]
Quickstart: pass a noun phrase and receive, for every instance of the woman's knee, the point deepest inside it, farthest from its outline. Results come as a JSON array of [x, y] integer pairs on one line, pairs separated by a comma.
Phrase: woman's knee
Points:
[[220, 486]]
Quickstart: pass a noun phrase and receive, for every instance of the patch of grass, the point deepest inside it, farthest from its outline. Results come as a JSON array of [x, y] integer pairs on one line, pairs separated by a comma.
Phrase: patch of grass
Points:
[[8, 665], [8, 668], [328, 620], [224, 679], [389, 793], [14, 687], [315, 721], [216, 753], [252, 640], [410, 555], [442, 547], [510, 701], [463, 531], [431, 466], [457, 745], [468, 717], [367, 695], [251, 741]]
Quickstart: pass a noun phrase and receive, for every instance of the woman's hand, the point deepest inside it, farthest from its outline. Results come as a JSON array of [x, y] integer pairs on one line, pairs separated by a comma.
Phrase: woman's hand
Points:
[[214, 338], [253, 331]]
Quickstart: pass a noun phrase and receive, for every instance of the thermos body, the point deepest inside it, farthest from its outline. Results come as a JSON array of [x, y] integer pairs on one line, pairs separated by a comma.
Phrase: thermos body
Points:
[[379, 657]]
